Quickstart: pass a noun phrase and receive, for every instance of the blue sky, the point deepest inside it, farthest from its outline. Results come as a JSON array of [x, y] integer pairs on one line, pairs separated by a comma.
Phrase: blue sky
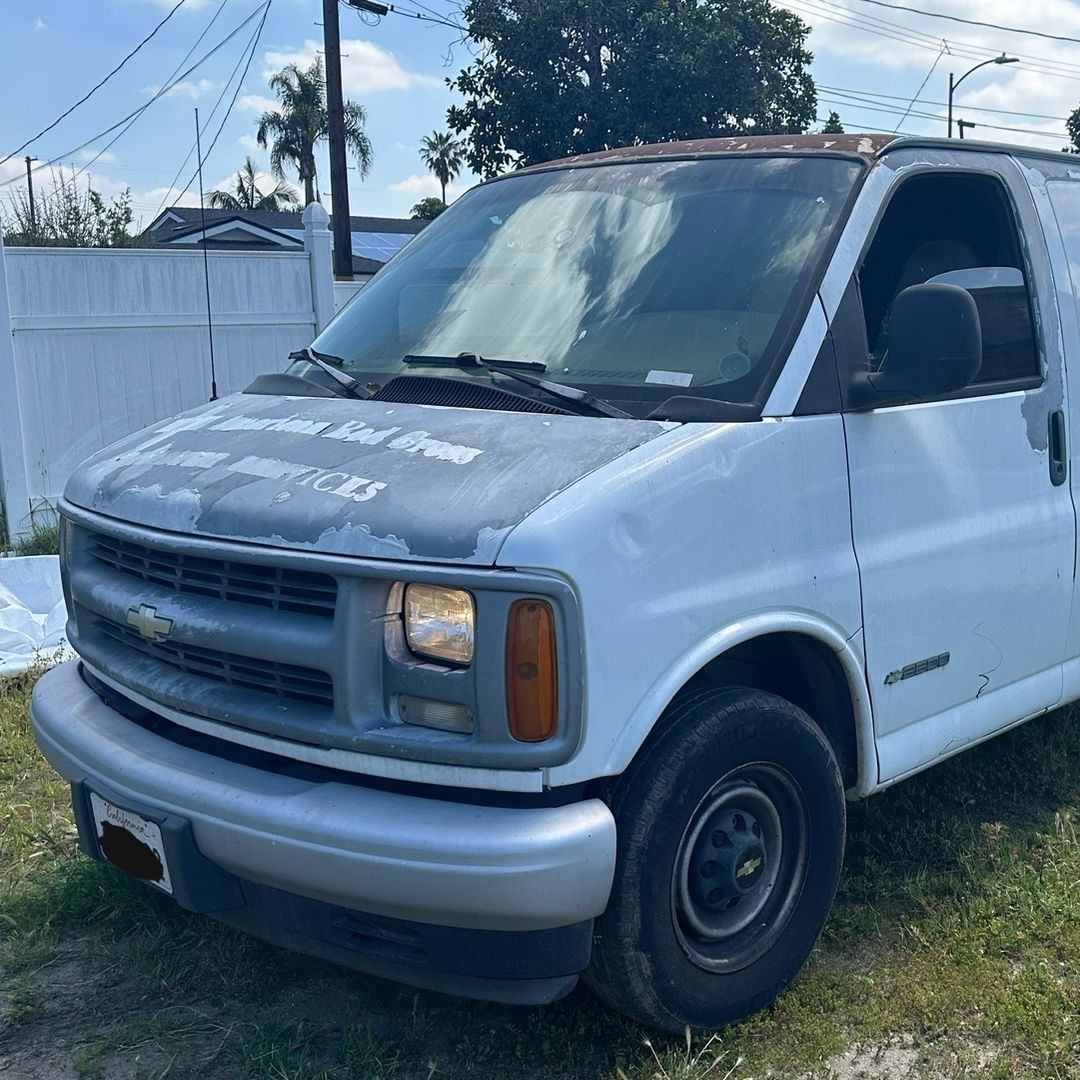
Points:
[[53, 51]]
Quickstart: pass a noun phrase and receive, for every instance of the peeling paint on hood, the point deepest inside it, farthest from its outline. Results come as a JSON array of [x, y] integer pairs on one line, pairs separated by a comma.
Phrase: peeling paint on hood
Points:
[[364, 478]]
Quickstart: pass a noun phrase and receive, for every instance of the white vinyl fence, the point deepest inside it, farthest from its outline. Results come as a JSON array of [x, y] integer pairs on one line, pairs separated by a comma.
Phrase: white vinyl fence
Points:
[[104, 342]]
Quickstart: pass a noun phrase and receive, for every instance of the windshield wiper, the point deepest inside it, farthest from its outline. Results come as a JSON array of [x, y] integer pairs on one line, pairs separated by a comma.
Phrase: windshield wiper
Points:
[[472, 360], [515, 369], [349, 386]]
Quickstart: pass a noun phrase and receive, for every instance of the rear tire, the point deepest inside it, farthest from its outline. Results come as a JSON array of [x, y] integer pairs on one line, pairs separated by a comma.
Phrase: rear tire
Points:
[[730, 843]]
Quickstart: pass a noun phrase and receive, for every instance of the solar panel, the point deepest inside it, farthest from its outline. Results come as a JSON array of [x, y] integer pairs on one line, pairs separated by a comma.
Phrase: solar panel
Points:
[[367, 245], [379, 246]]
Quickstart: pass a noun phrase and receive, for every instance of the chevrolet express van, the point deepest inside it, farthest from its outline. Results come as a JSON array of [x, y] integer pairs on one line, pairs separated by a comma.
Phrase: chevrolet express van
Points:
[[538, 621]]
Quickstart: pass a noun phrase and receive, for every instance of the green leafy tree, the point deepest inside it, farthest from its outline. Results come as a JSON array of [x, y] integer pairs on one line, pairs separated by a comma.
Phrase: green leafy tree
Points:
[[69, 216], [428, 209], [1072, 126], [833, 125], [248, 196], [443, 155], [559, 77], [301, 123]]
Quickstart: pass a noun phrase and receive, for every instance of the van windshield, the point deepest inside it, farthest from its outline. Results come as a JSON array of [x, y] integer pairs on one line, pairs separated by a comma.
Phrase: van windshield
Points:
[[635, 281]]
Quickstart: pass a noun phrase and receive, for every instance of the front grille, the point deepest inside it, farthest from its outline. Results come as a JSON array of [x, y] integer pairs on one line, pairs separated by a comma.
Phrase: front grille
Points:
[[246, 583], [282, 680]]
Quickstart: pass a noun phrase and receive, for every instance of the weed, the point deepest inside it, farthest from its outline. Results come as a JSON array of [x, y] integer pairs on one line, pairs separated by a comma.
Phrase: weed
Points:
[[167, 1034], [43, 540], [278, 1051], [708, 1060], [364, 1054], [23, 999]]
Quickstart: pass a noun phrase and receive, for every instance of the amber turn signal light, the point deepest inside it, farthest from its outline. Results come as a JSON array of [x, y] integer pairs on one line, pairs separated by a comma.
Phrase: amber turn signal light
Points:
[[531, 684]]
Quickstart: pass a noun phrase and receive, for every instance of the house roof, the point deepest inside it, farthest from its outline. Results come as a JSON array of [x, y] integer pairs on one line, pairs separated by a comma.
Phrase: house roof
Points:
[[375, 240], [187, 217]]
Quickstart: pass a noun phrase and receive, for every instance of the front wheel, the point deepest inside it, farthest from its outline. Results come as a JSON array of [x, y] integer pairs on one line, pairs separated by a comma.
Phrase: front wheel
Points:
[[730, 843]]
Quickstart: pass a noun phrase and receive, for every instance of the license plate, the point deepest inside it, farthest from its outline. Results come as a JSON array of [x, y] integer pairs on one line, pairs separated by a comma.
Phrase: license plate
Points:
[[130, 842]]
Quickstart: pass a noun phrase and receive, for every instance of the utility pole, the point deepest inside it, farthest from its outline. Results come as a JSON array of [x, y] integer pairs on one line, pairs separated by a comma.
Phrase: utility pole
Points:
[[30, 191], [335, 116]]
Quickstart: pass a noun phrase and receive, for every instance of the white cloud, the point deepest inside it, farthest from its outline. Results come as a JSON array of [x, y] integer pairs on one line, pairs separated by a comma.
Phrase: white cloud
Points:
[[250, 143], [101, 157], [191, 88], [365, 67], [424, 184], [39, 23], [255, 103], [417, 184]]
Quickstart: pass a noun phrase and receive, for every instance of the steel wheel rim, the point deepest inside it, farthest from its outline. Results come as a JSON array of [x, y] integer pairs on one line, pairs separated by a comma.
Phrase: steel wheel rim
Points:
[[740, 867]]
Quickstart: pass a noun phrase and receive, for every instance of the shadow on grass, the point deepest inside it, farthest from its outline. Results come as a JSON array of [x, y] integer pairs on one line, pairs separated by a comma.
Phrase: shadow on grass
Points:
[[953, 928]]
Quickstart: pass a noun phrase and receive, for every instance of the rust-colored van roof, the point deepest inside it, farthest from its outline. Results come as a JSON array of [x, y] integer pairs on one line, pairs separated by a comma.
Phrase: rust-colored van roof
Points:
[[867, 146]]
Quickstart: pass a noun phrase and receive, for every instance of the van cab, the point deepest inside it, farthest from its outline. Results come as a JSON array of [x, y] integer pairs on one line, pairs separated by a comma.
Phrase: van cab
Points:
[[539, 620]]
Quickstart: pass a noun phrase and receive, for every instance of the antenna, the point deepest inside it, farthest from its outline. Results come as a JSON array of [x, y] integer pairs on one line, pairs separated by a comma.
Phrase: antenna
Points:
[[206, 263]]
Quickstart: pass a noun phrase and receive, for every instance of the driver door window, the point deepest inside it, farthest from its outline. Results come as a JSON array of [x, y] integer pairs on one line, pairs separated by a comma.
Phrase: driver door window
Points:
[[956, 229]]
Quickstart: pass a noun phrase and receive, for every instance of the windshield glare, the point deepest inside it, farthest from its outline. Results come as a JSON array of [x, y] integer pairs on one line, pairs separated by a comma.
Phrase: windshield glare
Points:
[[637, 280]]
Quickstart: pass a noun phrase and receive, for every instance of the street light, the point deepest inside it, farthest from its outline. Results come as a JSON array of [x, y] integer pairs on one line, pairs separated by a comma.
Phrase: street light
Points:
[[1002, 59]]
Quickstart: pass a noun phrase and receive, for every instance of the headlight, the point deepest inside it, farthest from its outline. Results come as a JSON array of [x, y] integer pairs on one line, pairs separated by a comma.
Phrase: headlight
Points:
[[440, 623]]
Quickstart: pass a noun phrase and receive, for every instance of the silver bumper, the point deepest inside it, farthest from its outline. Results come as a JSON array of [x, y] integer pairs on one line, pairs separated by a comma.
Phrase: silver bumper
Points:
[[391, 854]]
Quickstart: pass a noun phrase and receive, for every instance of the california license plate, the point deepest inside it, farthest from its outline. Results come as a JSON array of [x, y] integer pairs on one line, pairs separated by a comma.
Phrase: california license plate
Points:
[[130, 842]]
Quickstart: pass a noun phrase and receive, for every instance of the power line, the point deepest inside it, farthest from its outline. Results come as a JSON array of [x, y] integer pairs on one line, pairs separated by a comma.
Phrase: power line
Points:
[[142, 108], [851, 19], [868, 105], [943, 104], [94, 89], [922, 85], [833, 12], [973, 22], [250, 52], [131, 123]]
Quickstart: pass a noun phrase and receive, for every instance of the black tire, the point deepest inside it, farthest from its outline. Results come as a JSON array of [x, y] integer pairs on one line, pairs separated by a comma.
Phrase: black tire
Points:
[[732, 774]]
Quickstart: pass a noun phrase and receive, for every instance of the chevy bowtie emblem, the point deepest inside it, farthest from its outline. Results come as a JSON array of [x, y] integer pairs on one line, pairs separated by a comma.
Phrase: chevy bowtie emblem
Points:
[[146, 620], [748, 868]]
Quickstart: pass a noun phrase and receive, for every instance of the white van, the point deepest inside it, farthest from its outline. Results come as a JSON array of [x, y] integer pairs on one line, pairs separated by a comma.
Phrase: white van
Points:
[[539, 619]]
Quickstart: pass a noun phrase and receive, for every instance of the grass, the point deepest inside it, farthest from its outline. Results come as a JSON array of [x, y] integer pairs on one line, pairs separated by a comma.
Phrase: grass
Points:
[[43, 539], [953, 951]]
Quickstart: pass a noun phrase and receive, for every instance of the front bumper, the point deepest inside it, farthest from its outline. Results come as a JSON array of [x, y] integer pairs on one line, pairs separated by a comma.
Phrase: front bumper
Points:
[[408, 859]]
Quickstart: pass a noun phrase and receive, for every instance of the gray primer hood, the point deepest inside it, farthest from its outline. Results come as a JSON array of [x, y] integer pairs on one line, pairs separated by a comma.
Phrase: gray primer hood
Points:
[[364, 478]]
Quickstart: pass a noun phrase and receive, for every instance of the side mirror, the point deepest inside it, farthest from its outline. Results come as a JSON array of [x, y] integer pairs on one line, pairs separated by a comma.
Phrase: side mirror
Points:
[[935, 348]]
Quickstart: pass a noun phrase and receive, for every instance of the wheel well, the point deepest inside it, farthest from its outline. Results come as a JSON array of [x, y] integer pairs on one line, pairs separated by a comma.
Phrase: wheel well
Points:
[[805, 672]]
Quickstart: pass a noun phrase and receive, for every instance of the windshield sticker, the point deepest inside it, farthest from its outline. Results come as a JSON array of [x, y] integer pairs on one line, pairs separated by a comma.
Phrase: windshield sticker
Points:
[[669, 378]]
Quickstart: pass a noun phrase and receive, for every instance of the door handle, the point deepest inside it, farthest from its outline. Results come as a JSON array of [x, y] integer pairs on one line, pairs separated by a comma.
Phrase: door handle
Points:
[[1059, 460]]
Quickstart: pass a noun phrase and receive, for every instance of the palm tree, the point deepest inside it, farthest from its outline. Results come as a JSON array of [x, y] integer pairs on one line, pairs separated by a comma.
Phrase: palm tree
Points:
[[443, 155], [301, 123], [249, 197]]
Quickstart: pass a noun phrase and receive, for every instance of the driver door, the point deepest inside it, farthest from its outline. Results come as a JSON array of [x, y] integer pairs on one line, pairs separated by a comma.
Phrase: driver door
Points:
[[963, 529]]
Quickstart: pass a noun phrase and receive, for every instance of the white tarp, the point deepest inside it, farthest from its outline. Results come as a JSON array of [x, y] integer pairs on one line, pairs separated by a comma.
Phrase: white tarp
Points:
[[32, 615]]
